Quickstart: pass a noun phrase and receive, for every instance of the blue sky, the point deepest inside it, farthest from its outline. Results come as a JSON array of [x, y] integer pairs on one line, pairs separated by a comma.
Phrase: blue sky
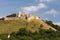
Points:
[[45, 9]]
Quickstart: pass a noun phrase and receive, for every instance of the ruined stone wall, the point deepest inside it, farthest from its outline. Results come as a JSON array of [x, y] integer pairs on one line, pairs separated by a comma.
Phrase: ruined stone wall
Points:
[[11, 18]]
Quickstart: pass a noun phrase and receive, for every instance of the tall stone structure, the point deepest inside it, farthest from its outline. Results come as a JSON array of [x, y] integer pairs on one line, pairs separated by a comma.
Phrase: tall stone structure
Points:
[[31, 17], [23, 15], [18, 15]]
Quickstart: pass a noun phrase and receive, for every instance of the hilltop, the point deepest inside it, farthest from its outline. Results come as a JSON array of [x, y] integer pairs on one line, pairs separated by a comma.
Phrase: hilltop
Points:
[[9, 26], [28, 28], [14, 22], [22, 29]]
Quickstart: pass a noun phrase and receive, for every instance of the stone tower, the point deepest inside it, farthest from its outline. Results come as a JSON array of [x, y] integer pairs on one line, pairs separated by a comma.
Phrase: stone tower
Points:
[[31, 17], [19, 14], [23, 14]]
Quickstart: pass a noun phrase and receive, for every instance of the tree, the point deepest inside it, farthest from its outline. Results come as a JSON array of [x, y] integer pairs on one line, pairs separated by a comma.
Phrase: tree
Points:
[[22, 32], [49, 22]]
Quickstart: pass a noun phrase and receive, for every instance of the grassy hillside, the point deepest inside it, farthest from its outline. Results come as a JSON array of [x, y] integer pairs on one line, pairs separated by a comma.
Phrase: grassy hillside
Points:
[[19, 30], [8, 26], [11, 26]]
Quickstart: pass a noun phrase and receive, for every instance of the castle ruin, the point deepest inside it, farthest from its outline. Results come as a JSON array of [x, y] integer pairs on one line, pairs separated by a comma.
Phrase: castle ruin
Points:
[[20, 15]]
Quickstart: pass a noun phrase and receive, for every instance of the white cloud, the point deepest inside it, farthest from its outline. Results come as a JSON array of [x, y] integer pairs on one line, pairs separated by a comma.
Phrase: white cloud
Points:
[[52, 12], [35, 8], [31, 8], [41, 5], [57, 23], [45, 0]]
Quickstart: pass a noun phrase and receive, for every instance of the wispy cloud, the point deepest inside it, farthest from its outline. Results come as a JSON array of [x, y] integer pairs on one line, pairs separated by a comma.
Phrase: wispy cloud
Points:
[[44, 0], [35, 8], [52, 12], [57, 23]]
